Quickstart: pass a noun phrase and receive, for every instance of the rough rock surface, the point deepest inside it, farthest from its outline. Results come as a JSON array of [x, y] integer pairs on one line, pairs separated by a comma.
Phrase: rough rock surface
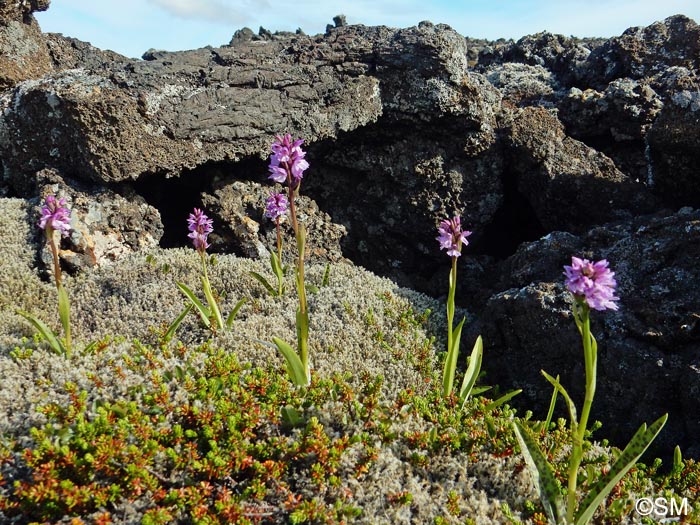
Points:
[[23, 53], [653, 340], [547, 147]]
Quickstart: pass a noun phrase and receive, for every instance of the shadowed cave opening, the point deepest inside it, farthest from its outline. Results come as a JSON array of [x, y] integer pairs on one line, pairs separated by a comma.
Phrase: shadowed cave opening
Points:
[[176, 197]]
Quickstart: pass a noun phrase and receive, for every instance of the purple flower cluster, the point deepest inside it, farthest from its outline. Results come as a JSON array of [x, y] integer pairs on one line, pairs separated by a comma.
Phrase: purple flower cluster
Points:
[[276, 205], [287, 161], [452, 236], [200, 227], [594, 282], [55, 215]]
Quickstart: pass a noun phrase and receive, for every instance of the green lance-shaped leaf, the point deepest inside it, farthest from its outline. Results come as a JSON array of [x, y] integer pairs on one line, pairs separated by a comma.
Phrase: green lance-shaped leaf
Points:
[[204, 312], [542, 474], [326, 275], [448, 374], [45, 332], [629, 456], [472, 373], [295, 368], [264, 282], [176, 323], [213, 307], [234, 312], [569, 403], [276, 265], [502, 400], [552, 405]]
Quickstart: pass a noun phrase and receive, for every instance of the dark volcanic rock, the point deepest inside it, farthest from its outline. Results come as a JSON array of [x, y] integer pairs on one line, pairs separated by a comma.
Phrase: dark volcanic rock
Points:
[[674, 142], [23, 53], [239, 208], [644, 52], [653, 340], [569, 185]]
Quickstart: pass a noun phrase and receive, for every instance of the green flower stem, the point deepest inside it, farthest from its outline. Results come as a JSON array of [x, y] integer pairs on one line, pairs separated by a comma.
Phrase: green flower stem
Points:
[[451, 359], [302, 314], [583, 321], [280, 280], [213, 307], [63, 304]]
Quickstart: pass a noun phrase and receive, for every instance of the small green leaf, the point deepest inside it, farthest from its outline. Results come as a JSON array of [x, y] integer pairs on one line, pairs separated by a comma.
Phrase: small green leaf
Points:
[[213, 306], [204, 312], [234, 312], [45, 332], [677, 460], [295, 369], [276, 265], [176, 323], [542, 474], [264, 282], [326, 275], [629, 456], [570, 404], [552, 405], [472, 373], [291, 417], [311, 288], [448, 373], [502, 400]]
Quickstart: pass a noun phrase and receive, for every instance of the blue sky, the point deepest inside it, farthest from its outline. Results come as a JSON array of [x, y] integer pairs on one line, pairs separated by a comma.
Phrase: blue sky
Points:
[[131, 27]]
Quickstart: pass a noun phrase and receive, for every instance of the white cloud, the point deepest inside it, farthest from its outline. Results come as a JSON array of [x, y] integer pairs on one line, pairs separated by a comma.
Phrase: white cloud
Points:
[[217, 11]]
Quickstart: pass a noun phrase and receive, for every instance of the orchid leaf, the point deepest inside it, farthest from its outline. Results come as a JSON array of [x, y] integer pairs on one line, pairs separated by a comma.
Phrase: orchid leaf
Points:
[[552, 405], [213, 306], [472, 373], [448, 373], [629, 456], [276, 266], [234, 312], [542, 474], [295, 368], [570, 404], [502, 400], [204, 312], [176, 323], [326, 275], [264, 282], [45, 332]]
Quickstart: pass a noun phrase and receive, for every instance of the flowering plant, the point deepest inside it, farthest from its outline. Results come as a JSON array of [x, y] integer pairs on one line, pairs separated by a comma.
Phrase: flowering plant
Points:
[[287, 166], [200, 226], [593, 287], [451, 238], [55, 217], [276, 207]]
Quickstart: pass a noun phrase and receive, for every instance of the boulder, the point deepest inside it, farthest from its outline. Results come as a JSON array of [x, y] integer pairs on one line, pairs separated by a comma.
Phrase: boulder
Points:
[[23, 53], [643, 52], [569, 185], [652, 340], [674, 147]]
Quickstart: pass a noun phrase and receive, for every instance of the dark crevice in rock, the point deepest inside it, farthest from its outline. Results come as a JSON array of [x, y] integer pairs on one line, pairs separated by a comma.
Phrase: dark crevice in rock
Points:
[[515, 222], [176, 197]]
